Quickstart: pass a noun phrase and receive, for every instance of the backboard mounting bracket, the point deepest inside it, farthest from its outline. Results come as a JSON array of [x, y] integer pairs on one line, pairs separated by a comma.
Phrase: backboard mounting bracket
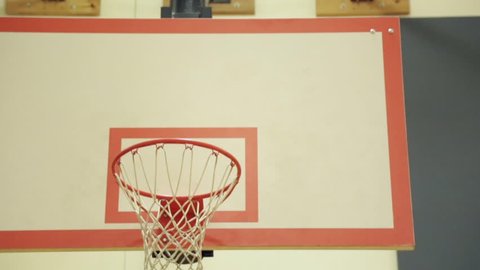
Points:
[[232, 7]]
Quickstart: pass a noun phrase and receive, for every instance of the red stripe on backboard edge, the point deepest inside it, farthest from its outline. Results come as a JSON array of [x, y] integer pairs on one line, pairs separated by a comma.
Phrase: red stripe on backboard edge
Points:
[[397, 135], [215, 239], [69, 239], [88, 25]]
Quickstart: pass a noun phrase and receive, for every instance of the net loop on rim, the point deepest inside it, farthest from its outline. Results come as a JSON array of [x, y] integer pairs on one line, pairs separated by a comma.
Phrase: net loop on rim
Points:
[[174, 187]]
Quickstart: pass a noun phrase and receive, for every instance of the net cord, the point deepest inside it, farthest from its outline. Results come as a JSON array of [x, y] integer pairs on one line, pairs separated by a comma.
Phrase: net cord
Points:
[[173, 228]]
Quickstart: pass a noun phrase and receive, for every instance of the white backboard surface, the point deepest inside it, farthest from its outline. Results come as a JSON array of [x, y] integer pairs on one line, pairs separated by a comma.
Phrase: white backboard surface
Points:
[[313, 110]]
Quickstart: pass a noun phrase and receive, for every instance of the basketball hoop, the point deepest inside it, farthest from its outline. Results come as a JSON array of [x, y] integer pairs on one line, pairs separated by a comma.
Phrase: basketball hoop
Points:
[[175, 186]]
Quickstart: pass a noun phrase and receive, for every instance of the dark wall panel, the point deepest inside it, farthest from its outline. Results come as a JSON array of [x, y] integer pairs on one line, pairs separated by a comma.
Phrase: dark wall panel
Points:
[[442, 86]]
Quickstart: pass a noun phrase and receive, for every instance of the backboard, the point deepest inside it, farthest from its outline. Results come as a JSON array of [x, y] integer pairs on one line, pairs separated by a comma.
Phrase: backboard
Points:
[[313, 110]]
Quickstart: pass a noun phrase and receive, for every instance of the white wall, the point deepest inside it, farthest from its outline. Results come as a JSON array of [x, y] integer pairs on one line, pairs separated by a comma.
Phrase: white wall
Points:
[[285, 8], [233, 260], [291, 8]]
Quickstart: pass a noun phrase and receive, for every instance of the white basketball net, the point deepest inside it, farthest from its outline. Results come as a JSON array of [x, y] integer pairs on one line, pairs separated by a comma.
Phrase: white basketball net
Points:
[[174, 188]]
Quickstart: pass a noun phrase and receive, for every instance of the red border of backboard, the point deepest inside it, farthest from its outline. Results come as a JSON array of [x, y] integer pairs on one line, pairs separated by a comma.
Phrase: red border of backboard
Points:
[[401, 236], [249, 135]]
